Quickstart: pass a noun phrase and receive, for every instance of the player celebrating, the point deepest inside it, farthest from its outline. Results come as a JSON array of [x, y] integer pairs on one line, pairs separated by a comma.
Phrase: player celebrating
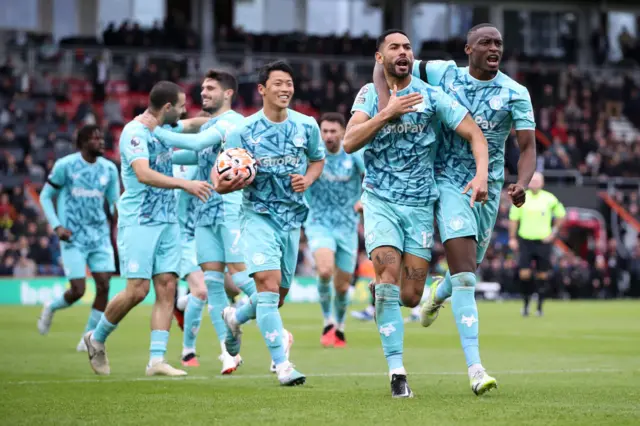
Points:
[[332, 225], [290, 156], [81, 182], [399, 184], [497, 103], [148, 232], [218, 230]]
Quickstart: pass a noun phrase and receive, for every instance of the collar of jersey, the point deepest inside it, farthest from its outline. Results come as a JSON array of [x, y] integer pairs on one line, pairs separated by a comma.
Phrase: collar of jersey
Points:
[[273, 122], [329, 153], [476, 81]]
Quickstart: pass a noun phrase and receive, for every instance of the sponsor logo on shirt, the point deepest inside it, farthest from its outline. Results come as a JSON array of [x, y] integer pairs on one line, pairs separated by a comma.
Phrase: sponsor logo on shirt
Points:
[[403, 128], [484, 124], [287, 160], [86, 193]]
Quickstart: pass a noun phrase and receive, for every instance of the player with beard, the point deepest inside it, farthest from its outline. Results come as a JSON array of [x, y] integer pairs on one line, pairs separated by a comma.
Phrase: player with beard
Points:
[[148, 231], [217, 224], [497, 103], [81, 182], [400, 144]]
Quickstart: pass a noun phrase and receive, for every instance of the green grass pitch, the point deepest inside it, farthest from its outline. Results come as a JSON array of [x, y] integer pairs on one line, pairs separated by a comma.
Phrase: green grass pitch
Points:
[[578, 365]]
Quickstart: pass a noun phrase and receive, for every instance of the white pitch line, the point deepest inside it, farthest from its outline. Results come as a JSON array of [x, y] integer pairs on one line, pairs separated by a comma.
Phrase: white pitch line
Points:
[[321, 375]]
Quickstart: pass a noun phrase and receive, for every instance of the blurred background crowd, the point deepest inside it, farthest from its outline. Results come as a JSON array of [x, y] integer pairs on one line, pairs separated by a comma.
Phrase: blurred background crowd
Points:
[[587, 117]]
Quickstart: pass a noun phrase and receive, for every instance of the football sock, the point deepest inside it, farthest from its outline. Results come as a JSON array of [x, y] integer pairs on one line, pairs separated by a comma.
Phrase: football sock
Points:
[[158, 347], [192, 319], [217, 298], [443, 291], [103, 330], [59, 303], [92, 322], [465, 312], [324, 291], [390, 324], [244, 282], [340, 304], [247, 311], [270, 325]]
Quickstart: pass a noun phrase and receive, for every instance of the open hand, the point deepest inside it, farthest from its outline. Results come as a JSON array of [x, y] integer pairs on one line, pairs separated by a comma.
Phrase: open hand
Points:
[[147, 120], [399, 105], [199, 188], [479, 188], [229, 181]]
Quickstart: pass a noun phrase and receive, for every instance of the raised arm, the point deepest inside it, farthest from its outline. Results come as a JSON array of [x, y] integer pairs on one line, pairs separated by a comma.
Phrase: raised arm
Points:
[[382, 89], [184, 157], [197, 142], [192, 125]]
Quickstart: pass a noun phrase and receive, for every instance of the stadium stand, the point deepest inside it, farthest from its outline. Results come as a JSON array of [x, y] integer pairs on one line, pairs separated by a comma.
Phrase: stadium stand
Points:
[[587, 132]]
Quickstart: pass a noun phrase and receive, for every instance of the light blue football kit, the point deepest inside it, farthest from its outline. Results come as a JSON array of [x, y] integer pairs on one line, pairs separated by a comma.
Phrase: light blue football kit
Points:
[[272, 212], [81, 188], [496, 106], [399, 185], [146, 210], [332, 222], [149, 240], [400, 192], [217, 221]]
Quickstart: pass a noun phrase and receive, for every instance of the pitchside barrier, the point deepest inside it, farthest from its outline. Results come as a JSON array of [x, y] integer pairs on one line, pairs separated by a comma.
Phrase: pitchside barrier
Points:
[[36, 291]]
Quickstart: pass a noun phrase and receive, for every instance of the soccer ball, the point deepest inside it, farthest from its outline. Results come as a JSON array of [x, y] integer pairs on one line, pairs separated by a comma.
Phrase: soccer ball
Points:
[[238, 160]]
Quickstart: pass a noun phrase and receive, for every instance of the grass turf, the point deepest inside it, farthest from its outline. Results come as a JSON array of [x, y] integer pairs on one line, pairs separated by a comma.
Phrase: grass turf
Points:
[[579, 365]]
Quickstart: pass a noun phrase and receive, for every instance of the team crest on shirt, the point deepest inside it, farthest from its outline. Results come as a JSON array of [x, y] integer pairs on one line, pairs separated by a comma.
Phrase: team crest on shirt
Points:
[[133, 266], [455, 104], [299, 141], [495, 103], [258, 259], [363, 91], [420, 107], [456, 223], [370, 238], [103, 180]]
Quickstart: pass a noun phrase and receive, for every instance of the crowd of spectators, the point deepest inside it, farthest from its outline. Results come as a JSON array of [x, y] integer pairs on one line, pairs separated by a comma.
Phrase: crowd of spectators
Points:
[[577, 114]]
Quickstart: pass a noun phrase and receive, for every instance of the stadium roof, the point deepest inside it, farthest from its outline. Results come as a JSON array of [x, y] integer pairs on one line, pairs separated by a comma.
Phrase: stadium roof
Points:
[[567, 5]]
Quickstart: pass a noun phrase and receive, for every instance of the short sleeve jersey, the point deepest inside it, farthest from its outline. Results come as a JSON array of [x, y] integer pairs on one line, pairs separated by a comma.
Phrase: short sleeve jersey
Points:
[[537, 214], [142, 204], [332, 197], [399, 160], [496, 106], [280, 150], [213, 210], [83, 187]]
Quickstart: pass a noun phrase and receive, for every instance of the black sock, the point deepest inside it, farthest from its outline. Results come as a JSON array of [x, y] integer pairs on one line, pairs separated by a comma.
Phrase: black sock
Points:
[[527, 291], [542, 290]]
